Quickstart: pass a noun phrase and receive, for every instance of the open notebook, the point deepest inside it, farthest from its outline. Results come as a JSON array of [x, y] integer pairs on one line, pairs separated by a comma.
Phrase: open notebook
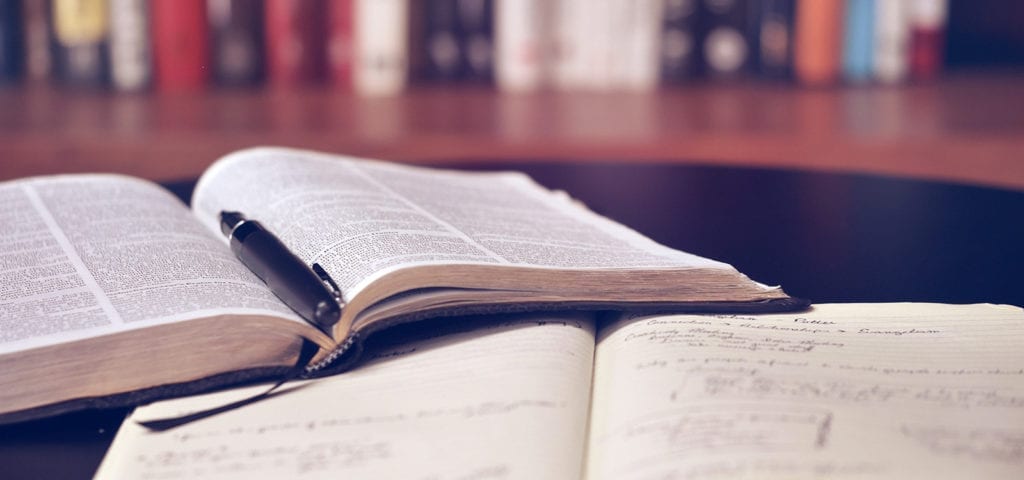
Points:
[[879, 391]]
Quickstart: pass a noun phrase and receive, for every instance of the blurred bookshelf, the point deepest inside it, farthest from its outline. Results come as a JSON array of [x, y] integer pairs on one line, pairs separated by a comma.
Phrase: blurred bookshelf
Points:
[[964, 124], [966, 127]]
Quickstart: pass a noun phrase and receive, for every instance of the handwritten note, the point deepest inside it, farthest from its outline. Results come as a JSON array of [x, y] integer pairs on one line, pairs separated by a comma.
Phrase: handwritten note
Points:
[[509, 401], [843, 391]]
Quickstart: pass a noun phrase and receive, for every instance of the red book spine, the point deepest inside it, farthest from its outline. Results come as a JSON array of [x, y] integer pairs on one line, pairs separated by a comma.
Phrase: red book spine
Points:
[[180, 44], [925, 52], [927, 35], [340, 37], [295, 40]]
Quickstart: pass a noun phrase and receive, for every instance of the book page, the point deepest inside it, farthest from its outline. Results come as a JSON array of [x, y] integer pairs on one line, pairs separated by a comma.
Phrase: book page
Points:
[[85, 255], [360, 219], [506, 401], [879, 391]]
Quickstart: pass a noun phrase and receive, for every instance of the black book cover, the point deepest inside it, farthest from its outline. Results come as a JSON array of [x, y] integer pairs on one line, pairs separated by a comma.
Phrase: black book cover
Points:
[[236, 34], [440, 45], [455, 41], [772, 33], [477, 38], [725, 45], [678, 42], [11, 49]]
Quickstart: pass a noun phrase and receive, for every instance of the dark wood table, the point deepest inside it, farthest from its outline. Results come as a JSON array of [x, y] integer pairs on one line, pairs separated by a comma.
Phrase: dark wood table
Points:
[[824, 237]]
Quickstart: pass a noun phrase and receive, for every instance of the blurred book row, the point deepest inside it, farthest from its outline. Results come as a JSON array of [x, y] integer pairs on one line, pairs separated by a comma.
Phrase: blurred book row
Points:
[[377, 47]]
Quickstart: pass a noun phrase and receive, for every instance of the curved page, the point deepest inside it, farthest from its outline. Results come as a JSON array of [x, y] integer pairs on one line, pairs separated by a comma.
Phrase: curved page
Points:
[[506, 401], [361, 219], [87, 255]]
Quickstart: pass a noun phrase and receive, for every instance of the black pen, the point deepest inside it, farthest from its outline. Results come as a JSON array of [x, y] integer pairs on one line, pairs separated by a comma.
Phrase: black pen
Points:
[[310, 293]]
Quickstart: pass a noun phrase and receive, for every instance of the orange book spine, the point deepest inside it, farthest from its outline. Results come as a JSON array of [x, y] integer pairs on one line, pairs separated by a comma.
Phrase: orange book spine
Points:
[[818, 47]]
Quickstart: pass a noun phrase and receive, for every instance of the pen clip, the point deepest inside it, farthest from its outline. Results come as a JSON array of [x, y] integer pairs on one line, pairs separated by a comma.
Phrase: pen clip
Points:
[[328, 282]]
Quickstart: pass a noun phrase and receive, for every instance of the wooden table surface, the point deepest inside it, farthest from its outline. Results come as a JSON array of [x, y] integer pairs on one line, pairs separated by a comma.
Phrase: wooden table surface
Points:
[[966, 127]]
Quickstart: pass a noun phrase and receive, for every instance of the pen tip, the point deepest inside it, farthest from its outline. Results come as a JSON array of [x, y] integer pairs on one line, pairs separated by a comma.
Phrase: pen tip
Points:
[[229, 220]]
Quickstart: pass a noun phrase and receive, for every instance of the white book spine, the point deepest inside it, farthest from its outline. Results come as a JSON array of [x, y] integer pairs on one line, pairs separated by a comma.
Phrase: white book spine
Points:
[[929, 14], [130, 58], [635, 60], [620, 24], [571, 43], [892, 39], [381, 44], [522, 44], [598, 45]]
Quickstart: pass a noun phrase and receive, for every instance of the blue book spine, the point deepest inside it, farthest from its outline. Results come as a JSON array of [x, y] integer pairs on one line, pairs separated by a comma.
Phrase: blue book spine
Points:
[[858, 48]]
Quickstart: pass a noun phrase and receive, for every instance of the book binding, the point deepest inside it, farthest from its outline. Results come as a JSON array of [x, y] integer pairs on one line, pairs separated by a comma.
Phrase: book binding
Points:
[[351, 351]]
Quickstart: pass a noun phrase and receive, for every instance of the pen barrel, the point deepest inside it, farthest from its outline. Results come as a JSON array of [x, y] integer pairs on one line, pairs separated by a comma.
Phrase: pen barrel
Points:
[[286, 274]]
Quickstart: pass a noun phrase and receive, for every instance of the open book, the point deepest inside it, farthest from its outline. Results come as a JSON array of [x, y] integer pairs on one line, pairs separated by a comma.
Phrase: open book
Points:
[[112, 292], [843, 391]]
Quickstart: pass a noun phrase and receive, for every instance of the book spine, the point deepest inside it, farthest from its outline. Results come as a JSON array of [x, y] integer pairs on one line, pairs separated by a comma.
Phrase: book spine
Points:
[[80, 30], [441, 42], [520, 42], [236, 36], [584, 45], [858, 40], [678, 42], [296, 40], [381, 29], [340, 42], [724, 45], [772, 27], [619, 24], [131, 66], [594, 37], [180, 44], [571, 43], [636, 24], [37, 31], [891, 40], [476, 28], [818, 34], [11, 57], [927, 35], [600, 28]]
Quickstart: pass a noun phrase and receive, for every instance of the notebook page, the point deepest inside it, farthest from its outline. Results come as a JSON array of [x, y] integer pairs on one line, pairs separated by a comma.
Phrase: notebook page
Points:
[[880, 391], [506, 402]]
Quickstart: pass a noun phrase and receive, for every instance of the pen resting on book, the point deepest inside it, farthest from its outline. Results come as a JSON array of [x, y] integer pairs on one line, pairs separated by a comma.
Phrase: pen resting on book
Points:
[[304, 290]]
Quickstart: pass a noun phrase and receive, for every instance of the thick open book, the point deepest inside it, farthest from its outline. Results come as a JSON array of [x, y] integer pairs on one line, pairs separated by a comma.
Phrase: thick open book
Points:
[[112, 292], [843, 391]]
